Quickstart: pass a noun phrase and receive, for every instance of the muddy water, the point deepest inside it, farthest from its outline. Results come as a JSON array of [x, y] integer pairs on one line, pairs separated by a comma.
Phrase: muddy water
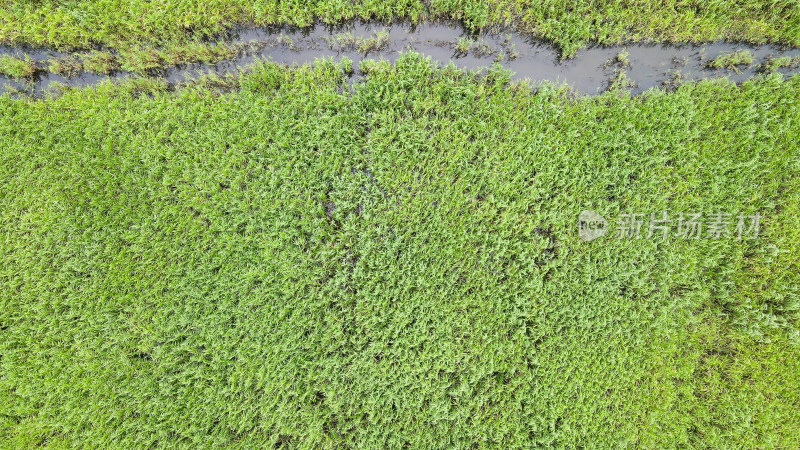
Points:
[[589, 72]]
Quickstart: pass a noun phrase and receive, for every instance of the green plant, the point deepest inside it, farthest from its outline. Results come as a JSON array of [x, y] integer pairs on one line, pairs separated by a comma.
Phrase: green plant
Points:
[[732, 60], [482, 48], [20, 68], [68, 66], [772, 64], [676, 78], [464, 45], [100, 62], [377, 42], [623, 58], [620, 81]]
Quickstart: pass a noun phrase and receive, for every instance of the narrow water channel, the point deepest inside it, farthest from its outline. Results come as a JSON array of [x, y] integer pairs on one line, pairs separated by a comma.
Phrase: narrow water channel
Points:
[[589, 72]]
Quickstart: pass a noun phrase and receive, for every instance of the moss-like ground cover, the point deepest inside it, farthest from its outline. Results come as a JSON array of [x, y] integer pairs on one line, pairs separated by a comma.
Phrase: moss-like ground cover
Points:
[[303, 264], [125, 24]]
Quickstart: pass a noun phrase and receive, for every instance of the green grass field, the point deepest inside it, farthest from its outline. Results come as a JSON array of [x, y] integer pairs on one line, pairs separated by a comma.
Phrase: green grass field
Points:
[[298, 264], [133, 26]]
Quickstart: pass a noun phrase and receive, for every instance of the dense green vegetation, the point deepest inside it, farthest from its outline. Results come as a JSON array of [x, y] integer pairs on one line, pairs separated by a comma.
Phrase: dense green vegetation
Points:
[[137, 25], [292, 261]]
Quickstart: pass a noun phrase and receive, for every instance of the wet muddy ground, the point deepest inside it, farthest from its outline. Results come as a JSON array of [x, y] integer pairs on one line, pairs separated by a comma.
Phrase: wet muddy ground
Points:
[[591, 71]]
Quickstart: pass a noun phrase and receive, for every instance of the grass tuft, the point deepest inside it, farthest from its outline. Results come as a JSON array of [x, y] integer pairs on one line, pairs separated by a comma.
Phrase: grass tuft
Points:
[[19, 68], [732, 60], [772, 64]]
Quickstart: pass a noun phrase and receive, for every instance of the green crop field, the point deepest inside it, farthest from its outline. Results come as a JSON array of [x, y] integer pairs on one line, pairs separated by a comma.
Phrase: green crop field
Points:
[[137, 26], [398, 255], [288, 260]]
